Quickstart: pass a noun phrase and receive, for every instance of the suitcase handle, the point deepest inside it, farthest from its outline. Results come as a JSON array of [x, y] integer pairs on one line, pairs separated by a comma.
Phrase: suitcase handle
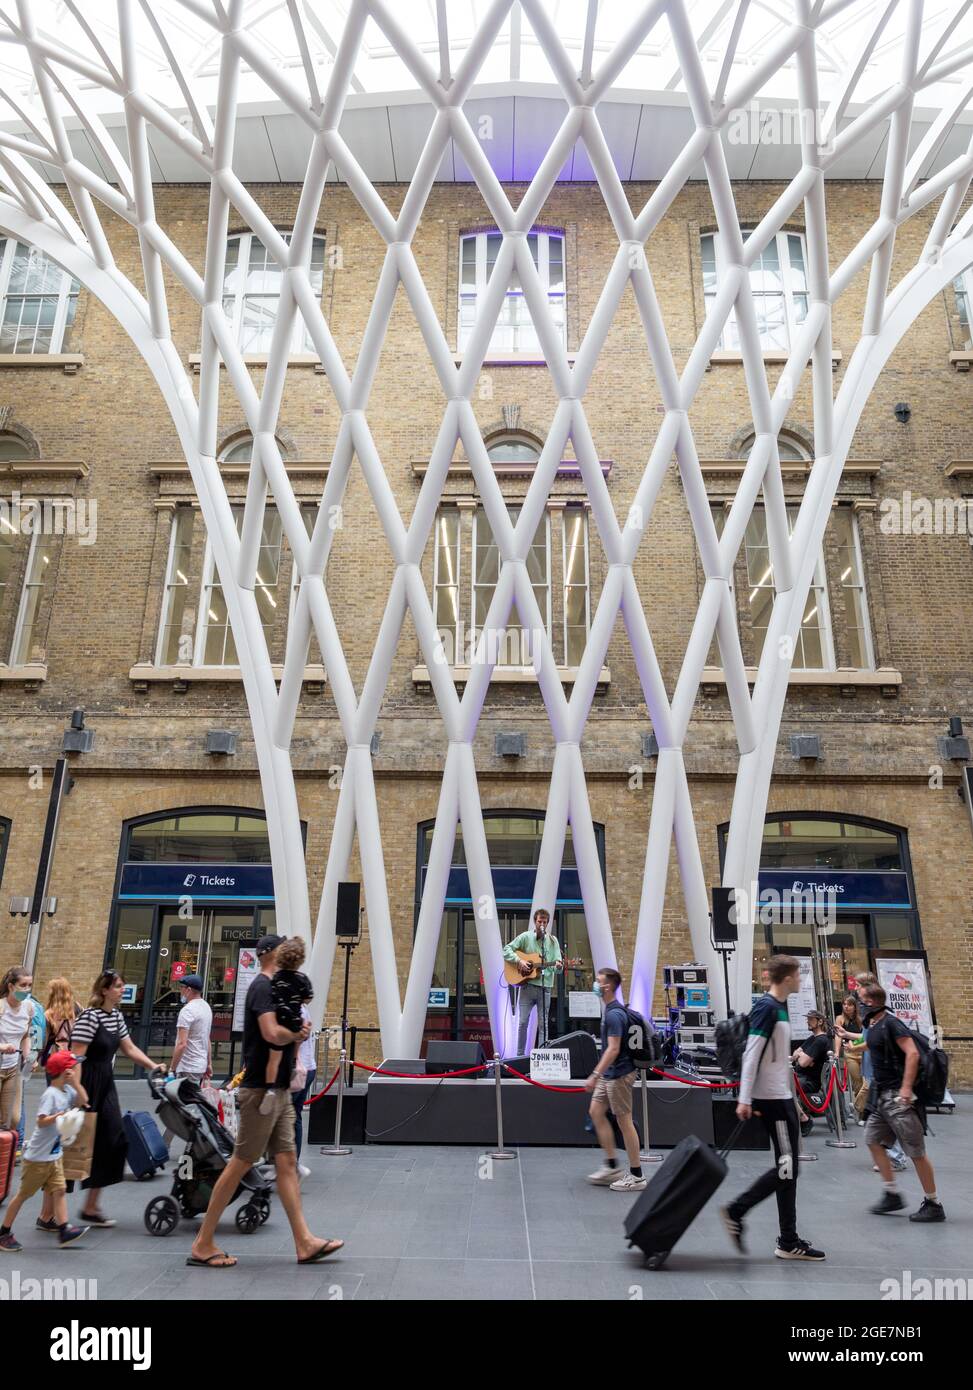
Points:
[[732, 1139]]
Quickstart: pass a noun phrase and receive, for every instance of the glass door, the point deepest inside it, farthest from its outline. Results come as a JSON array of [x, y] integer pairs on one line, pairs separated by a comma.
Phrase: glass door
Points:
[[228, 930], [180, 951], [571, 930]]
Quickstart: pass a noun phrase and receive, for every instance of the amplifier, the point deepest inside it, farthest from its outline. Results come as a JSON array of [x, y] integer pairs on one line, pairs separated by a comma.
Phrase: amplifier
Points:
[[697, 1037], [689, 974], [689, 997], [444, 1056], [403, 1066], [696, 1018]]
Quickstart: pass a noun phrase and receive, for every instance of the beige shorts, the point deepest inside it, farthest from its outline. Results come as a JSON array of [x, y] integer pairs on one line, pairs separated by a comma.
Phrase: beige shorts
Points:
[[892, 1120], [258, 1134], [617, 1094], [47, 1176]]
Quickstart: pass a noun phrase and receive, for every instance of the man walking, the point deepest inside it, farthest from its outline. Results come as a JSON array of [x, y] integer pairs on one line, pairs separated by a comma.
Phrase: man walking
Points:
[[766, 1089], [537, 995], [894, 1112], [192, 1054], [259, 1133], [612, 1083]]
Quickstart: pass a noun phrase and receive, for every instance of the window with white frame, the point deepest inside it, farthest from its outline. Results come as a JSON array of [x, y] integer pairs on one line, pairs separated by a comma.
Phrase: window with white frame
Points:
[[512, 648], [175, 644], [38, 300], [826, 630], [963, 289], [252, 282], [40, 569], [446, 583], [514, 332], [577, 616], [778, 282]]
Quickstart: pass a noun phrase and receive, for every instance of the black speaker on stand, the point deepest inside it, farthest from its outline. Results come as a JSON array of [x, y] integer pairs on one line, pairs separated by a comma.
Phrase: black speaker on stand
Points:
[[724, 923], [347, 931]]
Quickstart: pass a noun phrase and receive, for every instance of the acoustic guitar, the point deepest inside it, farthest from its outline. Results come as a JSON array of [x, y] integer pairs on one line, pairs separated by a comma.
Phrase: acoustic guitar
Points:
[[512, 975]]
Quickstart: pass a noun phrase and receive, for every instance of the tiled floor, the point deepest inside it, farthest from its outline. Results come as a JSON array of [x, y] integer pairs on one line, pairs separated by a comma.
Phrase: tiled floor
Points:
[[438, 1223]]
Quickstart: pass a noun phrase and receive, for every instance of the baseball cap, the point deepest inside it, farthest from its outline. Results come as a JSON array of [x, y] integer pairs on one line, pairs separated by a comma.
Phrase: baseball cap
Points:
[[60, 1062], [193, 981], [269, 943]]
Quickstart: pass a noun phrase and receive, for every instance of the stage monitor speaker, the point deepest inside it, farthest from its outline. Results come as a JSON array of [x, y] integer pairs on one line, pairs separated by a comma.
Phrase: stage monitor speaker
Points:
[[410, 1066], [583, 1050], [444, 1056], [724, 916], [347, 924]]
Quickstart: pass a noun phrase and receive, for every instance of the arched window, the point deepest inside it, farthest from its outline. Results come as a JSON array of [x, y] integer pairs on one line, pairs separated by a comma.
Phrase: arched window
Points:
[[513, 449], [251, 292], [38, 300], [514, 332]]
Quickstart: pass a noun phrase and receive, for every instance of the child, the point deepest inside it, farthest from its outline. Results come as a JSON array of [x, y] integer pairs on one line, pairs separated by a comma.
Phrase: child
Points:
[[41, 1170], [291, 989]]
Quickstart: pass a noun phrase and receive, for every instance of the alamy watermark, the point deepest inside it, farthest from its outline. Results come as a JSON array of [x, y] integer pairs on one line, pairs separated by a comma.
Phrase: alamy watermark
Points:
[[770, 125], [18, 1289], [50, 516], [925, 516], [923, 1289]]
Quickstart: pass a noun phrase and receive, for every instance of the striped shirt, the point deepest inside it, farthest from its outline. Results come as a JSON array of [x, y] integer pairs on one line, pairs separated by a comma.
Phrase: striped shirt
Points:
[[86, 1027]]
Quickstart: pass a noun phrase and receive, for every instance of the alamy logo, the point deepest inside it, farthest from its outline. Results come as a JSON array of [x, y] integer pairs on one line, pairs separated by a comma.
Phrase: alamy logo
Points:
[[77, 1343], [18, 1290], [924, 1290]]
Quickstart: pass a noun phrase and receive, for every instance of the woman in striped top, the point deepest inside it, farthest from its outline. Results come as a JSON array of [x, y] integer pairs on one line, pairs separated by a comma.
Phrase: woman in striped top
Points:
[[98, 1034]]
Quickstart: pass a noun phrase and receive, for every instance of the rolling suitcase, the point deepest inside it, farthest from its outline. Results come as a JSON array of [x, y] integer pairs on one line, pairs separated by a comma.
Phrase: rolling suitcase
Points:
[[146, 1150], [675, 1196], [8, 1152]]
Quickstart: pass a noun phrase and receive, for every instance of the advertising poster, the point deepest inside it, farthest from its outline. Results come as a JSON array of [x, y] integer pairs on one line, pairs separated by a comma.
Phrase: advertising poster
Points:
[[248, 968], [905, 983], [799, 1003]]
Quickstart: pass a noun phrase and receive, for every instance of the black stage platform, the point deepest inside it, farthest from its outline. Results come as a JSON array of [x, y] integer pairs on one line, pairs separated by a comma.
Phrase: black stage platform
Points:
[[428, 1110]]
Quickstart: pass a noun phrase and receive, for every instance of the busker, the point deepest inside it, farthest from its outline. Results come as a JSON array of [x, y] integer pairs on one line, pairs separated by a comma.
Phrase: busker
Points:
[[766, 1090], [612, 1083], [260, 1133], [42, 1170], [894, 1112], [538, 941]]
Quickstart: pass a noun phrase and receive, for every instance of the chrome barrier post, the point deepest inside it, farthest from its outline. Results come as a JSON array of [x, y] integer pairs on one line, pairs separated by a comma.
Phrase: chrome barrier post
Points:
[[500, 1152], [335, 1150], [645, 1156], [841, 1142]]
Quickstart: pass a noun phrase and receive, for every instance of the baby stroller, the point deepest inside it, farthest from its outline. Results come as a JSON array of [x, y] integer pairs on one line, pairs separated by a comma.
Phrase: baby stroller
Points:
[[184, 1109]]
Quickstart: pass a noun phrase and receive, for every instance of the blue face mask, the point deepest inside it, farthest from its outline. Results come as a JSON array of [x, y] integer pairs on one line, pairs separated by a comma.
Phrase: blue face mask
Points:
[[21, 994], [596, 989]]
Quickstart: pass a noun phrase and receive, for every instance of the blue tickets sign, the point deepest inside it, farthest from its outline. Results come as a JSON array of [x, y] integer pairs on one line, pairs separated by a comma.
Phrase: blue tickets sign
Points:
[[204, 882]]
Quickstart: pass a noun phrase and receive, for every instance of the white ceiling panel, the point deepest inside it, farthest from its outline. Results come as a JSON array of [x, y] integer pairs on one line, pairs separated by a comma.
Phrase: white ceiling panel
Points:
[[537, 121], [290, 143], [663, 133], [175, 164], [492, 120], [365, 130], [410, 125], [619, 122], [253, 157], [856, 162], [119, 134]]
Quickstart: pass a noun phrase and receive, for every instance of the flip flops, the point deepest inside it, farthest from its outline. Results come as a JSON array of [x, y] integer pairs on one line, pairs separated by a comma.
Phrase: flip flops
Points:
[[219, 1260], [330, 1247]]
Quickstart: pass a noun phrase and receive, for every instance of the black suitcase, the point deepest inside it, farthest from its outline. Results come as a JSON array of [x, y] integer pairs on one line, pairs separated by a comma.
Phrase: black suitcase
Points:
[[674, 1197]]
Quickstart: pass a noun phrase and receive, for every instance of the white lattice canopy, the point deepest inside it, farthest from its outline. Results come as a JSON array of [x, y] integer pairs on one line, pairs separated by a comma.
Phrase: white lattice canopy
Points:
[[99, 95]]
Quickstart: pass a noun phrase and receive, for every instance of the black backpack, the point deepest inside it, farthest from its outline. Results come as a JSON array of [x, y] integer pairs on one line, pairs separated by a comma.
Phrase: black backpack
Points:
[[731, 1043], [641, 1040], [932, 1078]]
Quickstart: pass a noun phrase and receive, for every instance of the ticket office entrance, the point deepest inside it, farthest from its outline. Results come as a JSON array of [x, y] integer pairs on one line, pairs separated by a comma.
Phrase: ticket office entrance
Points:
[[193, 888]]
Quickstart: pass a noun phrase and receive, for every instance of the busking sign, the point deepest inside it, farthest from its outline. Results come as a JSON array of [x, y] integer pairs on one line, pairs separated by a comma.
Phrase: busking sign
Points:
[[907, 989], [551, 1064]]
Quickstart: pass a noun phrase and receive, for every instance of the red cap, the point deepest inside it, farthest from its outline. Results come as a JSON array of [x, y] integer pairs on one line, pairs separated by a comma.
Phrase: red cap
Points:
[[60, 1062]]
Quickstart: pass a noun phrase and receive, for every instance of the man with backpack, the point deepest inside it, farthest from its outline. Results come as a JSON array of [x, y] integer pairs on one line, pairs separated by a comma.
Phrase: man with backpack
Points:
[[766, 1090], [612, 1082], [896, 1106]]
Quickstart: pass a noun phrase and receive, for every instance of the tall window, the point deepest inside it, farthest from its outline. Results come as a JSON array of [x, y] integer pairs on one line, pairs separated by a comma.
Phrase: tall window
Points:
[[37, 300], [514, 332], [40, 569], [852, 629], [26, 567], [963, 287], [513, 649], [251, 292], [175, 645], [575, 570], [778, 281], [446, 579]]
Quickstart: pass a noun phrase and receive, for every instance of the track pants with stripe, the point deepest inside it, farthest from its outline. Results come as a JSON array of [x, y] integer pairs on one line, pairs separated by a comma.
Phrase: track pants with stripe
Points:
[[779, 1119]]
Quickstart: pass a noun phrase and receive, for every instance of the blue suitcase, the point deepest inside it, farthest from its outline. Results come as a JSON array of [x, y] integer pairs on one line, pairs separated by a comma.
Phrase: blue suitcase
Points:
[[146, 1150]]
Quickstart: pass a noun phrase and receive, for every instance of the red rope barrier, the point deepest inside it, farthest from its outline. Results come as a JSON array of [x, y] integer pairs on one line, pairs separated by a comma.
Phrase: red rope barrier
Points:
[[843, 1078], [706, 1085], [808, 1105], [314, 1099], [380, 1071], [562, 1090]]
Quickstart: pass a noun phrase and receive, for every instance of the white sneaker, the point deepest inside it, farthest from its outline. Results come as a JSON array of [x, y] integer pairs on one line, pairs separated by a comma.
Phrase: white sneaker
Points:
[[629, 1183], [304, 1172], [604, 1177]]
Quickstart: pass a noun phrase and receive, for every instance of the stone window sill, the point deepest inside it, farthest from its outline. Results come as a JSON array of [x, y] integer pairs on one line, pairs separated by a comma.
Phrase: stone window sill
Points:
[[514, 359], [69, 362], [510, 675], [261, 359], [962, 361], [143, 673], [724, 357], [31, 674], [883, 676]]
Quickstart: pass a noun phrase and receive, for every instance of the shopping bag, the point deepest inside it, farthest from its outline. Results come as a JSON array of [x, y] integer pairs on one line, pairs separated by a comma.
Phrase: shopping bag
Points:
[[76, 1160], [228, 1112]]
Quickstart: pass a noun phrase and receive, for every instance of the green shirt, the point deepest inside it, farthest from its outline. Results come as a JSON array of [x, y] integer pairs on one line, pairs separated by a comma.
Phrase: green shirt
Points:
[[548, 949]]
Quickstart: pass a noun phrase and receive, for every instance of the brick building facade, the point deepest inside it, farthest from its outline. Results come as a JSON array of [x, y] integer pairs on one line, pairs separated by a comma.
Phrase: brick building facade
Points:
[[889, 656]]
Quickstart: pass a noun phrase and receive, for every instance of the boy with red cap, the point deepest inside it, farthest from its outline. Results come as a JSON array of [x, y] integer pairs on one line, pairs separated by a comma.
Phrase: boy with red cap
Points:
[[41, 1169]]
